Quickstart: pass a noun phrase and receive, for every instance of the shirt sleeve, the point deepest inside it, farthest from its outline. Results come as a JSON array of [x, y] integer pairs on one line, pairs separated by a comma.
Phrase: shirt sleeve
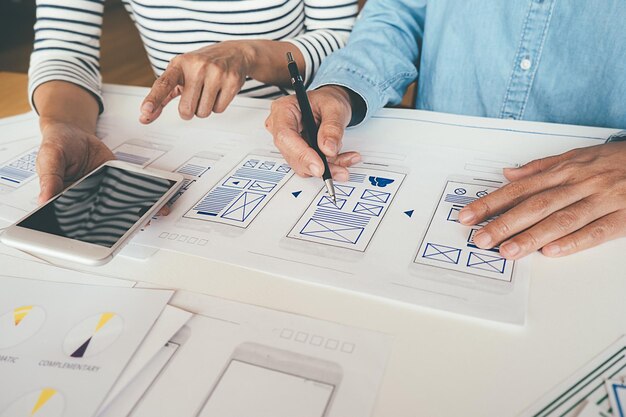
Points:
[[67, 45], [380, 60], [327, 26]]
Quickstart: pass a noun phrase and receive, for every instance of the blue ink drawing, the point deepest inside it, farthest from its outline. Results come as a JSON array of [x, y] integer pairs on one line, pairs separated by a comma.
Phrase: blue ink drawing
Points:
[[460, 191], [261, 175], [459, 199], [20, 170], [328, 202], [368, 208], [251, 163], [245, 205], [265, 187], [343, 190], [358, 178], [283, 168], [268, 165], [193, 170], [486, 262], [471, 244], [380, 181], [216, 200], [235, 182], [453, 216], [375, 196], [409, 213], [481, 194], [442, 253], [336, 226], [296, 194]]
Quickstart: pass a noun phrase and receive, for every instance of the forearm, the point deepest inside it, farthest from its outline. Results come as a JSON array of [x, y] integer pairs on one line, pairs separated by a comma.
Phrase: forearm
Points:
[[269, 61], [64, 102]]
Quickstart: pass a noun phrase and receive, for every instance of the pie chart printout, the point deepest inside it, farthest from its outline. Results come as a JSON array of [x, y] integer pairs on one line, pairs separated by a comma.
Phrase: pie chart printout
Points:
[[46, 402], [19, 324], [93, 335]]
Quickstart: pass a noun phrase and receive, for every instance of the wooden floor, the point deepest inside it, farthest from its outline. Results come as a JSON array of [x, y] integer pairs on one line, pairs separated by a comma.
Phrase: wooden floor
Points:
[[123, 59]]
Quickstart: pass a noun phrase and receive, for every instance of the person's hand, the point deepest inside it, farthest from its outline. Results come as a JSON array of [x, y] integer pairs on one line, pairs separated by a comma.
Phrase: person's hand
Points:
[[332, 111], [206, 79], [66, 154], [561, 204]]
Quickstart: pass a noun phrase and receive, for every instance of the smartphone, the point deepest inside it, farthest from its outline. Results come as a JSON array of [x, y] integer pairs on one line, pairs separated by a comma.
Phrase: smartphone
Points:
[[261, 380], [90, 221]]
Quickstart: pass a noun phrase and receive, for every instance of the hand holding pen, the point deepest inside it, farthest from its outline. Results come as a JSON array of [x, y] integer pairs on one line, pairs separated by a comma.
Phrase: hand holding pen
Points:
[[330, 106]]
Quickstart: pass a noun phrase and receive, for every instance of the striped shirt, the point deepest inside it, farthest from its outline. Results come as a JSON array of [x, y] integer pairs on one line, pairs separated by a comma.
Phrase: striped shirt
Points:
[[67, 33]]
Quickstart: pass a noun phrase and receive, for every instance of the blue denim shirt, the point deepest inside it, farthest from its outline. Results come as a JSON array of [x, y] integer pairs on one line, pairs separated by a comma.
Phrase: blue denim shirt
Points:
[[561, 61]]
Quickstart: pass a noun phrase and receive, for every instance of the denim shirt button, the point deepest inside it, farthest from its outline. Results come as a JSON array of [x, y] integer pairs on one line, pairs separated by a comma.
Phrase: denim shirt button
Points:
[[525, 64]]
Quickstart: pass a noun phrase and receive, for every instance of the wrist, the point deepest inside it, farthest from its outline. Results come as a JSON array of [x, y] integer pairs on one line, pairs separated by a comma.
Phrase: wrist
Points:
[[251, 51], [351, 100], [64, 102]]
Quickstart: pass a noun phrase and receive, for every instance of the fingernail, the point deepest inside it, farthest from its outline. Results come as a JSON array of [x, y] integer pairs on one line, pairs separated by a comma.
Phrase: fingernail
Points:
[[510, 248], [482, 239], [315, 170], [466, 216], [552, 250], [147, 107], [331, 146], [355, 159]]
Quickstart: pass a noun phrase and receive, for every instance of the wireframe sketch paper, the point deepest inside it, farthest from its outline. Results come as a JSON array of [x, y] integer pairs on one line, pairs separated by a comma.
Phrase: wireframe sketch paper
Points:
[[448, 244], [65, 337], [586, 390], [351, 221], [239, 196], [265, 362]]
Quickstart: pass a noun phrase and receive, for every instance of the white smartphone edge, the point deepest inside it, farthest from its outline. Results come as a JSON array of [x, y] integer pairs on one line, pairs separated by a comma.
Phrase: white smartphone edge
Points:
[[72, 250]]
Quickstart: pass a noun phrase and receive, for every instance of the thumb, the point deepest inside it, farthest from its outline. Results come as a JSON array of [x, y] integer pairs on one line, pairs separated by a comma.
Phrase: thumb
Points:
[[50, 185], [51, 170], [330, 133]]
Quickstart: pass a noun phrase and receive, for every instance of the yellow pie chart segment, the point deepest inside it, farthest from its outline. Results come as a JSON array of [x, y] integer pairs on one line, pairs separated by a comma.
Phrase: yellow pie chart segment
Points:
[[45, 402], [19, 324]]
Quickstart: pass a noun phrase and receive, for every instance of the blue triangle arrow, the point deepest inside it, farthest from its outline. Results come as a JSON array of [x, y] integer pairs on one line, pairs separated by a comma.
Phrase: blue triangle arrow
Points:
[[236, 182], [409, 213], [296, 193]]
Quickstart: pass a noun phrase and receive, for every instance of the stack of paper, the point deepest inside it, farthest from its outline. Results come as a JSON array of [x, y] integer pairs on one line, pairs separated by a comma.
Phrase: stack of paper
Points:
[[64, 346]]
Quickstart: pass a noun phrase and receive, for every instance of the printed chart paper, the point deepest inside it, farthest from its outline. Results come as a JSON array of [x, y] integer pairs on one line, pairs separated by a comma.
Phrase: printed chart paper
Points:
[[351, 221], [448, 244], [67, 337], [241, 195]]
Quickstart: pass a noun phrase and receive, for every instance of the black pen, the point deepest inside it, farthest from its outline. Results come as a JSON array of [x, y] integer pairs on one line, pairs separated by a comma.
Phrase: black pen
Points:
[[308, 121]]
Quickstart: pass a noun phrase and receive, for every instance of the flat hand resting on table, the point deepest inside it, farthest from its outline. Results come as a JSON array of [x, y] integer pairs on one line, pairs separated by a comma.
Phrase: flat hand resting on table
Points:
[[559, 205]]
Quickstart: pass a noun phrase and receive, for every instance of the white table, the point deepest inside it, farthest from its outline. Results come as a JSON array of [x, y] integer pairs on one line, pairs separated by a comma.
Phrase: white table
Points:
[[442, 364]]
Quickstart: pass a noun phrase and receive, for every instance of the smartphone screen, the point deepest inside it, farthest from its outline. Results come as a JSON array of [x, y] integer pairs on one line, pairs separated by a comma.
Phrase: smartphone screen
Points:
[[247, 389], [101, 208]]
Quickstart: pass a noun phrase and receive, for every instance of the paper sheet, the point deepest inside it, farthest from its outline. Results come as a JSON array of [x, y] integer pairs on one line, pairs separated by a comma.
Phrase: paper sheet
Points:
[[71, 341], [585, 391], [225, 334], [124, 403], [169, 322]]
